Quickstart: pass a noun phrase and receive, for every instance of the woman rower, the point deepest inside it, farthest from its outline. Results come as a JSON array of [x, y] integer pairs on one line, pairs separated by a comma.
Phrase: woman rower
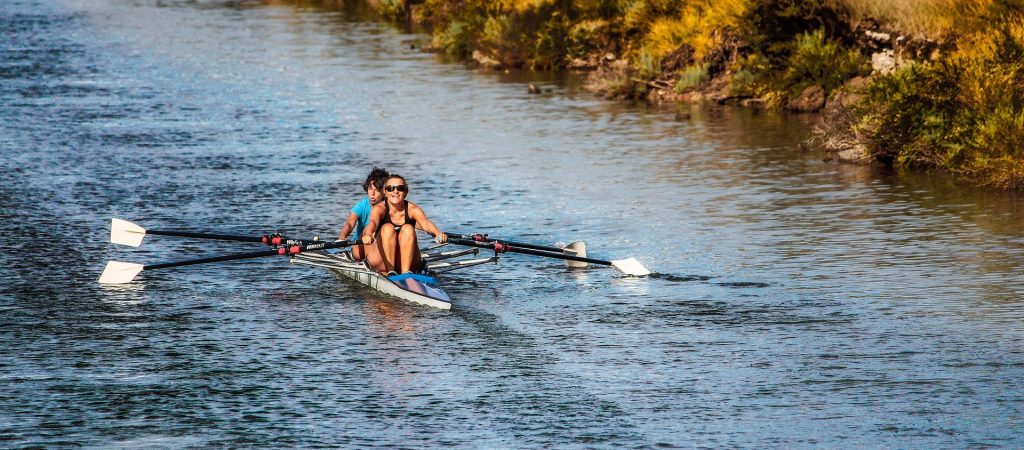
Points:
[[392, 227]]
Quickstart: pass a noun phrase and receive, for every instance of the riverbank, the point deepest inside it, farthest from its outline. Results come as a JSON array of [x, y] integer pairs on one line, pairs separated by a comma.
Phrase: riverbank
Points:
[[922, 85]]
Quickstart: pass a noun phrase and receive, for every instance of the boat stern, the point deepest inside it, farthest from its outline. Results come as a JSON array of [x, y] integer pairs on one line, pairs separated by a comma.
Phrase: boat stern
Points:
[[422, 285]]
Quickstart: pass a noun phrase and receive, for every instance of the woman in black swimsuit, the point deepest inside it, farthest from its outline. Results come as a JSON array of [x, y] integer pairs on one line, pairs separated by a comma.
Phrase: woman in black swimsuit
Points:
[[392, 227]]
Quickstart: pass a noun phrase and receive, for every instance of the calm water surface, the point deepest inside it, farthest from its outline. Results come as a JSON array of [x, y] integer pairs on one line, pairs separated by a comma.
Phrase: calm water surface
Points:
[[797, 302]]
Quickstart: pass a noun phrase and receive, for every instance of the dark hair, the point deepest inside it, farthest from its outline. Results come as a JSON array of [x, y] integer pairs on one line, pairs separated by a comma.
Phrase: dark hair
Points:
[[377, 176], [395, 175]]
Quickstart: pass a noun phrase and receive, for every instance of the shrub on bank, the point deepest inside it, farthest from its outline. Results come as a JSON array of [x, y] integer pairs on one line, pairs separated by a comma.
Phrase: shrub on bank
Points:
[[964, 113], [537, 34], [810, 59], [551, 33]]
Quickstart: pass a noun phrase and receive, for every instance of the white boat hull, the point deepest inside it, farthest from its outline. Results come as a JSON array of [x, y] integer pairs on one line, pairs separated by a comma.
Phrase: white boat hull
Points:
[[416, 288]]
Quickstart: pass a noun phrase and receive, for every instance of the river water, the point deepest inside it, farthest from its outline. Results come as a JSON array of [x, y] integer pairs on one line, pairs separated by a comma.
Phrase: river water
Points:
[[796, 302]]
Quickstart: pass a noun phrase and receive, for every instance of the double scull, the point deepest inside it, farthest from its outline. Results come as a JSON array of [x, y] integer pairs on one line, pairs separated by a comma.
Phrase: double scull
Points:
[[421, 288]]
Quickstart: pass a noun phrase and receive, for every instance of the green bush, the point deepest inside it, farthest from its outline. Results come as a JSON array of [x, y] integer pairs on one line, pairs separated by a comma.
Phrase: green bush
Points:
[[503, 38], [743, 84], [815, 60], [392, 9], [692, 77], [588, 37], [457, 39], [964, 114], [646, 66], [904, 115], [550, 45]]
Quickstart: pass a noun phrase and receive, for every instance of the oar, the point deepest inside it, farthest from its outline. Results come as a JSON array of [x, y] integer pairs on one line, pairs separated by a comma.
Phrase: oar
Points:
[[483, 238], [578, 248], [117, 272], [127, 233], [629, 266]]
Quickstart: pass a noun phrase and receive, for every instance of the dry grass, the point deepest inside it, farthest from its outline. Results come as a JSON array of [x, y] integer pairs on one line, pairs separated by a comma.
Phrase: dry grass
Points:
[[929, 18], [700, 24]]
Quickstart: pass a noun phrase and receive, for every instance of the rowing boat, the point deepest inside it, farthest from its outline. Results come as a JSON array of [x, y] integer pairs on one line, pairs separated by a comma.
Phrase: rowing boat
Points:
[[421, 288]]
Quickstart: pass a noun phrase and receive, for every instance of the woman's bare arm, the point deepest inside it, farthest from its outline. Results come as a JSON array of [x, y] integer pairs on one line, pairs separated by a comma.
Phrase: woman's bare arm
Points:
[[423, 223], [370, 232], [350, 225]]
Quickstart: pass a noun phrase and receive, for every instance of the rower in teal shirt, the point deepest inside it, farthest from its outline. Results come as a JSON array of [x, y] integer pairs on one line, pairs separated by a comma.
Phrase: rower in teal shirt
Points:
[[360, 214]]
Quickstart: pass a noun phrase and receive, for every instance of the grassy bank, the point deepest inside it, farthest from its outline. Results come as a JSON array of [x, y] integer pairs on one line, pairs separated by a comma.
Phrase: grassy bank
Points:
[[910, 83]]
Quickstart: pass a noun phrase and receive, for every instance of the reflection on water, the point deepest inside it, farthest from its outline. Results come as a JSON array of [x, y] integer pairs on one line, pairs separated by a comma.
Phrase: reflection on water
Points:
[[385, 315], [868, 307]]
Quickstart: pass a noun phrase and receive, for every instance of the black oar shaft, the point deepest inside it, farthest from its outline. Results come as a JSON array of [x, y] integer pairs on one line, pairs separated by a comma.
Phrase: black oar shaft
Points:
[[505, 246], [212, 260], [528, 251], [482, 238], [214, 236], [269, 240], [286, 251]]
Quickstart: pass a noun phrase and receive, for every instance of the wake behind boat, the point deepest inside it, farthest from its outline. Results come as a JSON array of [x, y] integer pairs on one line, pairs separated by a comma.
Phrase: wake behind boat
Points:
[[421, 288]]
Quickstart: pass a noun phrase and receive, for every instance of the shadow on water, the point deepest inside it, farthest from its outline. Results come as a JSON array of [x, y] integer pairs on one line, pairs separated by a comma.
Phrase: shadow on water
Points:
[[704, 278], [679, 278]]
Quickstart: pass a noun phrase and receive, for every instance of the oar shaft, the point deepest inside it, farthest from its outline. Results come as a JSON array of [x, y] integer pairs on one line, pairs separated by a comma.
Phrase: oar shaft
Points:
[[269, 240], [212, 260], [127, 233], [482, 238], [505, 246], [284, 250], [213, 236]]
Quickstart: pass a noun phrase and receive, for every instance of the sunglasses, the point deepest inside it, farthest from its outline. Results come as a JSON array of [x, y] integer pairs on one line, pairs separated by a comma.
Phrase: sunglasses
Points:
[[396, 187]]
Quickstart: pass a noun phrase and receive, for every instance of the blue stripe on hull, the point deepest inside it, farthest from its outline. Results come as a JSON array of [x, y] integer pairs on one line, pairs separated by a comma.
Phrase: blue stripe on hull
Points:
[[420, 284]]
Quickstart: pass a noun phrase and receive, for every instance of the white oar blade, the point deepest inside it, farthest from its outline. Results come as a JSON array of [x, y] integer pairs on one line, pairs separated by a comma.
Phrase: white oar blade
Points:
[[126, 233], [118, 272], [578, 248], [631, 266]]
